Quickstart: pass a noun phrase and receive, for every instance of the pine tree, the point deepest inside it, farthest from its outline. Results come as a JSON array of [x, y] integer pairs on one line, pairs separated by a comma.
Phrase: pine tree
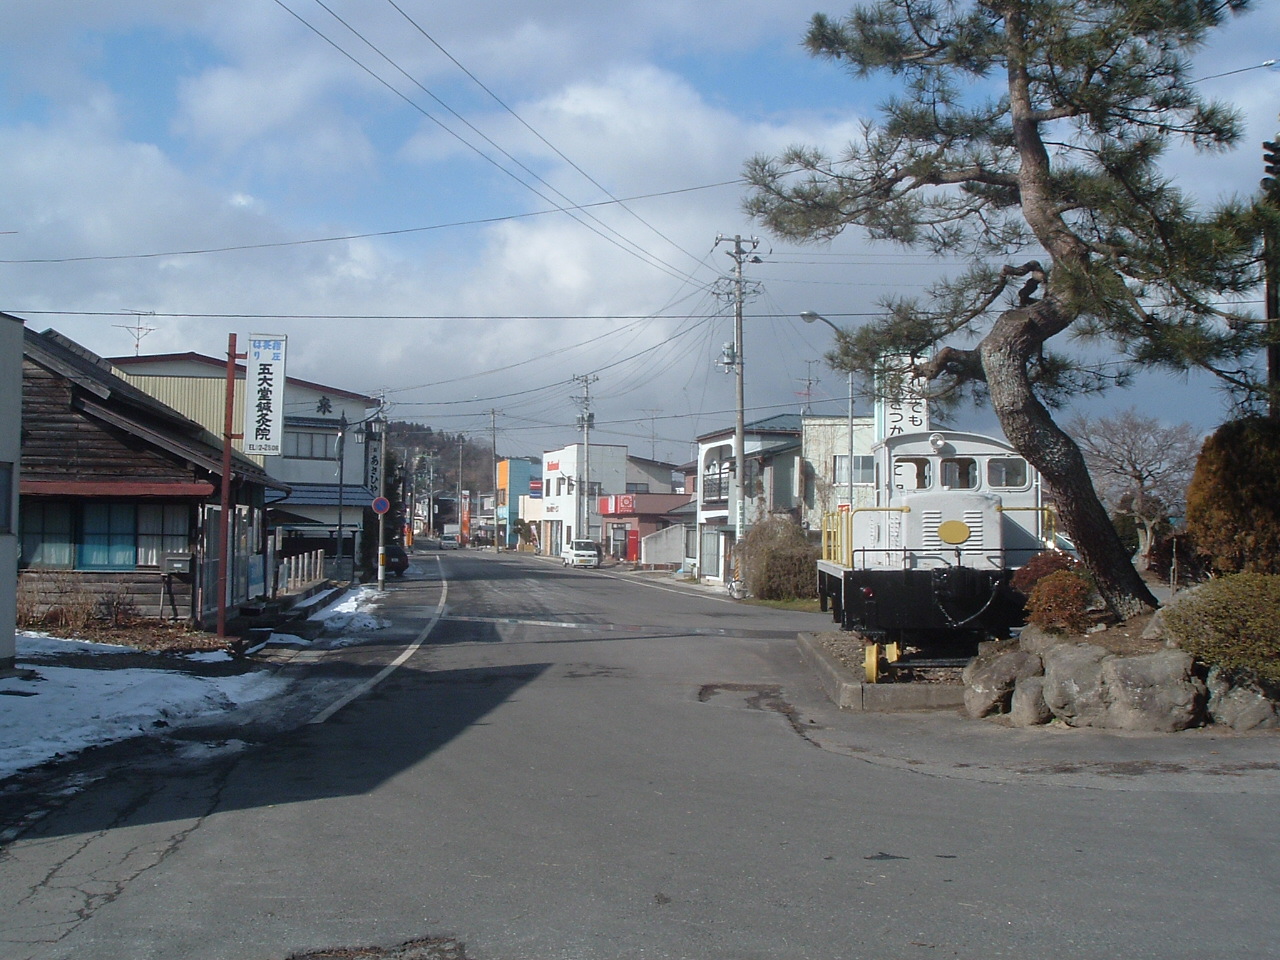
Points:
[[1031, 132]]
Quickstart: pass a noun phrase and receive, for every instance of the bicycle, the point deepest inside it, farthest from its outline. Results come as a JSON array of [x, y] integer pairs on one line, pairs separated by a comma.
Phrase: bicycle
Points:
[[735, 585]]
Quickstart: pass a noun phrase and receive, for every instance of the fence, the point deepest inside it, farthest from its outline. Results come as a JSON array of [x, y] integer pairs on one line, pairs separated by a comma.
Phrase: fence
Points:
[[302, 570]]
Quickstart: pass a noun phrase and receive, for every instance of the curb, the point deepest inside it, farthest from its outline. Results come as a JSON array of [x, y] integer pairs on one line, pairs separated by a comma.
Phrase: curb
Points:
[[844, 689]]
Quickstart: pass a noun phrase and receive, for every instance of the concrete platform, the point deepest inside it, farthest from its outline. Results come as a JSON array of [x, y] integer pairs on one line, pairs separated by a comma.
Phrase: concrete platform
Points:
[[848, 692]]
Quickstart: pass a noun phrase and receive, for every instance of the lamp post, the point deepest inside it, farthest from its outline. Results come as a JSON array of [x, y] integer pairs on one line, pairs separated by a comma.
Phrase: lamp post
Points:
[[808, 316]]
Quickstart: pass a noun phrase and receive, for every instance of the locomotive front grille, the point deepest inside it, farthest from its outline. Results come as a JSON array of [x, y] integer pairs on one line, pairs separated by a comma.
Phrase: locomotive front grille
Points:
[[932, 542]]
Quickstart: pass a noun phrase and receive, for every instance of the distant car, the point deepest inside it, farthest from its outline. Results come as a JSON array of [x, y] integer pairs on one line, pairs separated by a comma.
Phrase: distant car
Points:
[[397, 560], [581, 553], [449, 542]]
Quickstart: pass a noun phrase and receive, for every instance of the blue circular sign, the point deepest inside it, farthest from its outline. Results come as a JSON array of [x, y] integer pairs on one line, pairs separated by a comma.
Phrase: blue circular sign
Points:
[[381, 505]]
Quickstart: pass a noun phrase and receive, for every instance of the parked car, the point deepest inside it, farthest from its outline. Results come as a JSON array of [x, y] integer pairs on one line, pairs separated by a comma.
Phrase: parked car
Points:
[[581, 553], [449, 542], [397, 560]]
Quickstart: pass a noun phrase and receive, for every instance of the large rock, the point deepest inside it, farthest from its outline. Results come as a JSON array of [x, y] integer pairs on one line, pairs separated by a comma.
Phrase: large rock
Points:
[[1027, 707], [1155, 692], [1037, 640], [1239, 702], [1073, 687], [989, 680]]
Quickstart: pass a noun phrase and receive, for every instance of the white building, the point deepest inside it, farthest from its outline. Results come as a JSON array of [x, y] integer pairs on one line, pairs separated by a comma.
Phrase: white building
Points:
[[825, 448], [569, 506], [773, 485], [10, 456], [570, 510]]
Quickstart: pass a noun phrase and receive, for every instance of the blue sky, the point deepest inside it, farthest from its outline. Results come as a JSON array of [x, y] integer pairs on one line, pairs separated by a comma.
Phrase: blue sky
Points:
[[145, 127]]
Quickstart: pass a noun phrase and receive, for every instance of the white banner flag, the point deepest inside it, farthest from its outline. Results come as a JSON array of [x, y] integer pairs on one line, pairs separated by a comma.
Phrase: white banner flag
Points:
[[264, 394], [902, 405]]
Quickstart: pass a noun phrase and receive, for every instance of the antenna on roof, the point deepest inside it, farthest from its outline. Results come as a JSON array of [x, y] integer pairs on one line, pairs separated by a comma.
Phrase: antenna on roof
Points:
[[137, 330]]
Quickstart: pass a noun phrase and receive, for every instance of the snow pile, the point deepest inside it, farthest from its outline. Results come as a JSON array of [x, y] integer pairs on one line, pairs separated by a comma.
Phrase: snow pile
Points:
[[63, 710], [347, 616]]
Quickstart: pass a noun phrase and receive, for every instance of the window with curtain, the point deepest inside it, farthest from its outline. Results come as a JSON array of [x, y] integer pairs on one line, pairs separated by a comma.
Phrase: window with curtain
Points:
[[162, 528], [46, 534], [108, 537]]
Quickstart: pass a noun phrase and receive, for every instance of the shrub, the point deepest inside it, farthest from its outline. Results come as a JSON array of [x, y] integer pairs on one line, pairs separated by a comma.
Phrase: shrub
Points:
[[117, 607], [1040, 566], [1059, 602], [1231, 622], [1233, 503], [778, 561]]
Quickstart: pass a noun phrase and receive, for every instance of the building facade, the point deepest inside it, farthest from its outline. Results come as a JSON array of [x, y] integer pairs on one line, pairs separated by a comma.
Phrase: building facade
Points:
[[328, 461], [516, 478], [120, 498], [773, 485], [827, 485], [570, 503]]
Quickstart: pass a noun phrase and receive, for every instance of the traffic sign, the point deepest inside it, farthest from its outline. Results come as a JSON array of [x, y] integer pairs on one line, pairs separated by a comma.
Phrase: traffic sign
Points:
[[381, 505]]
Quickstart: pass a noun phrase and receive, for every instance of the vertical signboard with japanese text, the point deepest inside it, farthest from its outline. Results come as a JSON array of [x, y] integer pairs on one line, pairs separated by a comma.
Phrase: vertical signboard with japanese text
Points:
[[264, 394], [901, 402]]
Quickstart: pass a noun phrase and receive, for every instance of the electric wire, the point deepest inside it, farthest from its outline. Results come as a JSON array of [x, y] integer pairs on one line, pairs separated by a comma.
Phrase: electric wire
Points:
[[644, 257], [590, 179]]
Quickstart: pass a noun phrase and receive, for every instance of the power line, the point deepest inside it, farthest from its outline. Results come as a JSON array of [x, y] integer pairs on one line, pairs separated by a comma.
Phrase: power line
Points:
[[481, 221], [595, 317], [590, 179], [638, 252]]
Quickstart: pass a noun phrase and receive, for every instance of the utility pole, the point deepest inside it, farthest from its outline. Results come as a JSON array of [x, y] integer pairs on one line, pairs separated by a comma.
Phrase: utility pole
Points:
[[431, 494], [653, 431], [585, 419], [1271, 273], [740, 254]]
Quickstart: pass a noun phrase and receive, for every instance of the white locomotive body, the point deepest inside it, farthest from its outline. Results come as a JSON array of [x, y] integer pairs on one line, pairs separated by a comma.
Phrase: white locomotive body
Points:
[[953, 515]]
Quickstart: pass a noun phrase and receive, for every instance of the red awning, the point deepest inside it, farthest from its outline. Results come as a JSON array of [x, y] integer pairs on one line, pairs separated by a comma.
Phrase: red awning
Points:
[[128, 489]]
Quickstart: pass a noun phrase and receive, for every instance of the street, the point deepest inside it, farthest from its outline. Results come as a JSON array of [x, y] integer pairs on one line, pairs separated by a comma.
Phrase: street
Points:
[[536, 763]]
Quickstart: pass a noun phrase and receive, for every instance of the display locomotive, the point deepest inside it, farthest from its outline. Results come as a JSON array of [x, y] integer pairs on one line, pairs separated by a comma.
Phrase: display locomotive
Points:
[[926, 560]]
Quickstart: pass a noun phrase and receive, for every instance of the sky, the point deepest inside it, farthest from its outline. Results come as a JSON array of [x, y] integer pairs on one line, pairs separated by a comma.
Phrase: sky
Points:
[[464, 207], [61, 710]]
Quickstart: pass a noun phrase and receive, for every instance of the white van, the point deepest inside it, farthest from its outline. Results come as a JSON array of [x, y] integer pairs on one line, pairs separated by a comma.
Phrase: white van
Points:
[[581, 553]]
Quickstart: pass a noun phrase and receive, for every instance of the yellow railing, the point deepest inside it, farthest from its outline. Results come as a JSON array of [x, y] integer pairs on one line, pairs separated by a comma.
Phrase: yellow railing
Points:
[[837, 532]]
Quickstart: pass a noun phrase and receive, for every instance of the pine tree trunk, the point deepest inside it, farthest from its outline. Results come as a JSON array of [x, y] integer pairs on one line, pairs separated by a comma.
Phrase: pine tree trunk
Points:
[[1006, 352]]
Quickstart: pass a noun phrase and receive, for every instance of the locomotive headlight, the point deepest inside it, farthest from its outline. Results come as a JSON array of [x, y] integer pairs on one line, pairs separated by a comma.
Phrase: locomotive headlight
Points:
[[954, 532]]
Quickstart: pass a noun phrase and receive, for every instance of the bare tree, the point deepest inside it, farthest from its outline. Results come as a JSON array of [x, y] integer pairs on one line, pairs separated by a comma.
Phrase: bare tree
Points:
[[1140, 466]]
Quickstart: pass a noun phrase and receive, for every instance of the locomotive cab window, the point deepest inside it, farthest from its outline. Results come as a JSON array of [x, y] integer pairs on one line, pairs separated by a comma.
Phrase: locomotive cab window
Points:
[[912, 473], [1006, 472], [959, 473]]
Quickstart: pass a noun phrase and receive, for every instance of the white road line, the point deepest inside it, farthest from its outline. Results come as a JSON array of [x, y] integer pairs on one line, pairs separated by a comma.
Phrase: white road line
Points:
[[390, 668]]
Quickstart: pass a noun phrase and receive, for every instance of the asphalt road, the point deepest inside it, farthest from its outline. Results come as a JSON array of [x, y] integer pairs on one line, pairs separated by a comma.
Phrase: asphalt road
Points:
[[535, 763]]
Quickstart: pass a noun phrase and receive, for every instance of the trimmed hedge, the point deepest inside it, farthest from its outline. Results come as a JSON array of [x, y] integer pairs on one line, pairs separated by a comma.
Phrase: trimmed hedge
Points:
[[1233, 622]]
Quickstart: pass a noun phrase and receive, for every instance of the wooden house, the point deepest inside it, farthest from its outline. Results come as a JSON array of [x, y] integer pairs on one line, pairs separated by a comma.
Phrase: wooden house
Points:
[[120, 496]]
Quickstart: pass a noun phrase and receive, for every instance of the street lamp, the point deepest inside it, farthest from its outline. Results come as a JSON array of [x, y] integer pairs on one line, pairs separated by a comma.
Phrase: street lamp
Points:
[[808, 316]]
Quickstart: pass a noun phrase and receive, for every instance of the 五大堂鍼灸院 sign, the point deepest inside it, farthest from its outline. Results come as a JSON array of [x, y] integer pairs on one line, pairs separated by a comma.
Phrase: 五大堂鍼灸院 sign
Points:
[[264, 394]]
